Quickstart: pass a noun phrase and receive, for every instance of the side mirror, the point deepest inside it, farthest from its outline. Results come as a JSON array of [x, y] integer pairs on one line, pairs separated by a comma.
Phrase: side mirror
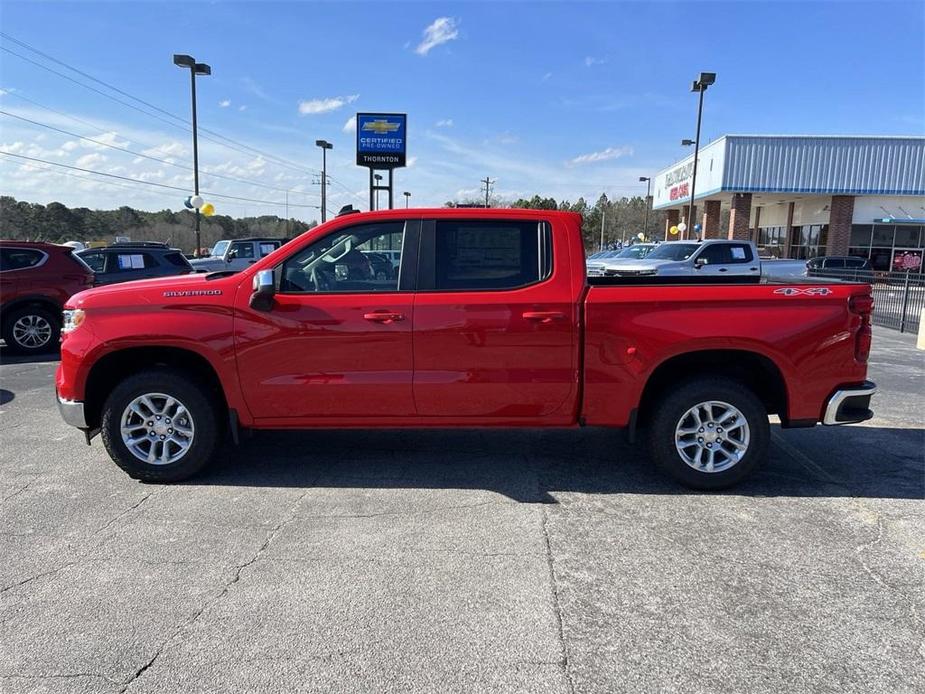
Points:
[[232, 254], [264, 289], [700, 262]]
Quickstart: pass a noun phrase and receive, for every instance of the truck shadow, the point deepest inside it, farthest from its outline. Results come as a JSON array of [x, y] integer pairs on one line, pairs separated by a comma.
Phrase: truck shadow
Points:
[[7, 356], [532, 466]]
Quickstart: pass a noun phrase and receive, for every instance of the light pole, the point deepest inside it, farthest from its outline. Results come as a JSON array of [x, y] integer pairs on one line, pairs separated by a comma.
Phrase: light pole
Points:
[[407, 198], [377, 178], [686, 143], [325, 146], [194, 69], [645, 225], [699, 85]]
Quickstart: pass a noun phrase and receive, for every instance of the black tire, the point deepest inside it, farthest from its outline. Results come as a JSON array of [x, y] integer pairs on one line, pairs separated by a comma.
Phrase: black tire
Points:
[[39, 313], [204, 410], [676, 402]]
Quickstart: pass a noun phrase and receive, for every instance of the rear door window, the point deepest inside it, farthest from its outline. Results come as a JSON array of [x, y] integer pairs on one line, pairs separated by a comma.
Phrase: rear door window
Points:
[[243, 250], [489, 255], [20, 258], [96, 260]]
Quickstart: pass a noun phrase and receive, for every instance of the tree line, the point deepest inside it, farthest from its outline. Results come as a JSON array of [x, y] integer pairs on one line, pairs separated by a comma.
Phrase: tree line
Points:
[[57, 223], [621, 219]]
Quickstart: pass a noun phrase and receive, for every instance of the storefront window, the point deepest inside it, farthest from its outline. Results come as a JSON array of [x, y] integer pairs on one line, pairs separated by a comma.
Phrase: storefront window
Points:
[[860, 235], [907, 236], [809, 241], [890, 247], [771, 241], [883, 235]]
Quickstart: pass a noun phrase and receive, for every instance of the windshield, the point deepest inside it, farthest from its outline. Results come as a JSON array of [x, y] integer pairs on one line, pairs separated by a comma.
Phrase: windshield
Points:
[[219, 250], [673, 251], [635, 252]]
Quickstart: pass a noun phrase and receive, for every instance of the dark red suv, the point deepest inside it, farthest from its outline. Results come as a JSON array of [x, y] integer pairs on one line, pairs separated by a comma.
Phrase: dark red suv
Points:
[[35, 281]]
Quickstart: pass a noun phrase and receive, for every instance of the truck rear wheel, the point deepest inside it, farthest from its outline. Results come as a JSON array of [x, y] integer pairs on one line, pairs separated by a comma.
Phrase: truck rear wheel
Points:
[[709, 433], [159, 425]]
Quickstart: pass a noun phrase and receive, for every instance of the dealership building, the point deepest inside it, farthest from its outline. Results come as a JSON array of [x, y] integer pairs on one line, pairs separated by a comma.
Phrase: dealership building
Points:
[[805, 196]]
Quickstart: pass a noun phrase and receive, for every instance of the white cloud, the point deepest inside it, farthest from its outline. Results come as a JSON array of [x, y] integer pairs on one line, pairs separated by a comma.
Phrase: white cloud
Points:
[[242, 107], [591, 60], [603, 155], [411, 162], [445, 123], [325, 105], [87, 161], [224, 103], [351, 125], [547, 76], [442, 30]]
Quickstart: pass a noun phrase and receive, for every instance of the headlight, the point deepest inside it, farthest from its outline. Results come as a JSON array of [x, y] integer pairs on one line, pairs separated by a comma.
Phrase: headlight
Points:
[[72, 319]]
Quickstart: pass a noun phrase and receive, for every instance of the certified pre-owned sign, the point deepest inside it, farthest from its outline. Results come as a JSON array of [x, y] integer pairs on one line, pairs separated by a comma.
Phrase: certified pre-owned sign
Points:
[[381, 140]]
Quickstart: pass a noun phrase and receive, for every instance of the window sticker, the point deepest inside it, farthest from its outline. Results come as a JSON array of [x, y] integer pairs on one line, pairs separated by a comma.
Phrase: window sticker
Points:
[[131, 262], [738, 253]]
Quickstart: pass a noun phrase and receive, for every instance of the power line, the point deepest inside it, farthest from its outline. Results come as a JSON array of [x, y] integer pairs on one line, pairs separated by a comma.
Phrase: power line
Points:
[[151, 183], [146, 156], [228, 142], [234, 144]]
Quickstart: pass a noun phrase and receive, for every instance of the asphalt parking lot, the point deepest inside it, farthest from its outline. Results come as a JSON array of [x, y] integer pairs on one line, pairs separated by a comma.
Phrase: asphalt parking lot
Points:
[[465, 561]]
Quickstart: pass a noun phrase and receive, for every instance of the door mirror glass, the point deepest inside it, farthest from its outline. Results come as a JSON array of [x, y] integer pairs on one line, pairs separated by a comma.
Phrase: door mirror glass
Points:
[[701, 261], [264, 289]]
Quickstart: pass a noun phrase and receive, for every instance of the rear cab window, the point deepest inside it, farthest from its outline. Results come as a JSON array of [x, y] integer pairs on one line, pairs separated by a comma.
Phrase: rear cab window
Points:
[[485, 255], [726, 254]]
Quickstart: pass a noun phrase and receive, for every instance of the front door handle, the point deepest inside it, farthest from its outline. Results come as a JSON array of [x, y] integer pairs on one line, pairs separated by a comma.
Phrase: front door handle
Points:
[[383, 317], [543, 316], [723, 269]]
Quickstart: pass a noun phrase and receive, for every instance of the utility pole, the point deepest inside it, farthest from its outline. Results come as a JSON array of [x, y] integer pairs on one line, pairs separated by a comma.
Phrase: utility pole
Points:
[[407, 199], [699, 85], [645, 224], [603, 215], [377, 178], [195, 68], [287, 213], [488, 184], [325, 146]]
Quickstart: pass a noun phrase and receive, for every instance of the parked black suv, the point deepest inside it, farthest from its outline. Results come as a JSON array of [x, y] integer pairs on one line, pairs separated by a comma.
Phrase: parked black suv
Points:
[[848, 267], [134, 260]]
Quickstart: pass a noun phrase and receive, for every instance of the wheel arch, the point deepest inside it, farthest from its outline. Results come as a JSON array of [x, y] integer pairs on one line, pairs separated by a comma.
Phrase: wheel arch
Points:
[[115, 366], [754, 370], [39, 300]]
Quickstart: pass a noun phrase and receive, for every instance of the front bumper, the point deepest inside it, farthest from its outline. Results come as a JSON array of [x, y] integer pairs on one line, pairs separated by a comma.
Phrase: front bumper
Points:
[[850, 405], [72, 412]]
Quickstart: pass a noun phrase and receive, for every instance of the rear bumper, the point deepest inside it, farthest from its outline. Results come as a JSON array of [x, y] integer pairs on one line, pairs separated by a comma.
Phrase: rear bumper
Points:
[[72, 412], [850, 405]]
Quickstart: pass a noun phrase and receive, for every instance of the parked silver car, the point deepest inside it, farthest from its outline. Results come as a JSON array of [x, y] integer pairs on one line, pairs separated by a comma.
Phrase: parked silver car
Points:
[[717, 257], [602, 264]]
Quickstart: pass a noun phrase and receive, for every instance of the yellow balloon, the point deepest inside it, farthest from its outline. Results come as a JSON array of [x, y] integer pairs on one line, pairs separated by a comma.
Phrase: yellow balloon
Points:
[[208, 209], [673, 230]]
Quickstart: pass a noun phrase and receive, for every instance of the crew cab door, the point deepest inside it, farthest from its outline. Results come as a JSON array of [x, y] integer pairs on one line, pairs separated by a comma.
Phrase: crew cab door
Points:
[[721, 259], [337, 341], [494, 322]]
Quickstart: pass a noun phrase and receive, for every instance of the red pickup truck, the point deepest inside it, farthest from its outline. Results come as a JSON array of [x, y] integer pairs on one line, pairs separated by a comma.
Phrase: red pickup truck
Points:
[[489, 321]]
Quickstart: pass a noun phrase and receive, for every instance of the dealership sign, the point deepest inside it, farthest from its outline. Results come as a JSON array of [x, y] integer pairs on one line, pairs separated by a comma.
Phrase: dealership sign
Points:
[[676, 181], [381, 140]]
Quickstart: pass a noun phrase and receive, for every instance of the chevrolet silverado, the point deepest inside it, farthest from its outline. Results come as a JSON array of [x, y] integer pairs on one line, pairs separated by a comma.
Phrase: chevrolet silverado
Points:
[[490, 321]]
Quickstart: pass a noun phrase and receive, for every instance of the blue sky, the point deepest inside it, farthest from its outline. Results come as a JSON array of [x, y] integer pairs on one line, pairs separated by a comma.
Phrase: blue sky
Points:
[[560, 99]]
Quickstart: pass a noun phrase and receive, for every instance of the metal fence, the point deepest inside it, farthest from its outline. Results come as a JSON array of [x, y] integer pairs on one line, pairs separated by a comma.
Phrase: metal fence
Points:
[[899, 297]]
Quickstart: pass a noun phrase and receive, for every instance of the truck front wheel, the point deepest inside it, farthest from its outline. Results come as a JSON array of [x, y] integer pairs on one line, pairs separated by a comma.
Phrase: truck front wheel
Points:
[[158, 425], [709, 433]]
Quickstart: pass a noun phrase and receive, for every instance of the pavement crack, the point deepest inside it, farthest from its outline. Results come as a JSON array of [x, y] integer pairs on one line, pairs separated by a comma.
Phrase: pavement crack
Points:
[[35, 577], [18, 491], [235, 577], [58, 675], [124, 513], [557, 607]]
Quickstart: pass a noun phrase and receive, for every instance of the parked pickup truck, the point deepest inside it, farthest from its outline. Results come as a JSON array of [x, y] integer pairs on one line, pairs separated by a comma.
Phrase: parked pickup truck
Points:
[[490, 322], [236, 254], [714, 257]]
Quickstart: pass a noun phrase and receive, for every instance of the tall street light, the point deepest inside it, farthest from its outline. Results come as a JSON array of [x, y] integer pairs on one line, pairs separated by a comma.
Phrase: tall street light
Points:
[[686, 143], [325, 146], [407, 198], [194, 69], [699, 85], [645, 225], [377, 177]]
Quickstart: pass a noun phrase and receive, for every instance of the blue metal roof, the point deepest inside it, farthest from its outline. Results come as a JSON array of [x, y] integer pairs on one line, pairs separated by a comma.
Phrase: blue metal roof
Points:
[[825, 165]]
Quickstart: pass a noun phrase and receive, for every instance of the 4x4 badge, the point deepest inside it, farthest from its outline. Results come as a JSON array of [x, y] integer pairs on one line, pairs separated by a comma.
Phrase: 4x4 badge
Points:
[[796, 291]]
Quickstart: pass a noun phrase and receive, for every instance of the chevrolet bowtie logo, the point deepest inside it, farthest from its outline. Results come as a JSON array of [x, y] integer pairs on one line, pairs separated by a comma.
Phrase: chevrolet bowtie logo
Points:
[[381, 127]]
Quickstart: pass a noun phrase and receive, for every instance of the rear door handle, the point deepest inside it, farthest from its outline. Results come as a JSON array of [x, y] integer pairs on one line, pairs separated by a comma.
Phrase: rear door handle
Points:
[[543, 316], [383, 317]]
